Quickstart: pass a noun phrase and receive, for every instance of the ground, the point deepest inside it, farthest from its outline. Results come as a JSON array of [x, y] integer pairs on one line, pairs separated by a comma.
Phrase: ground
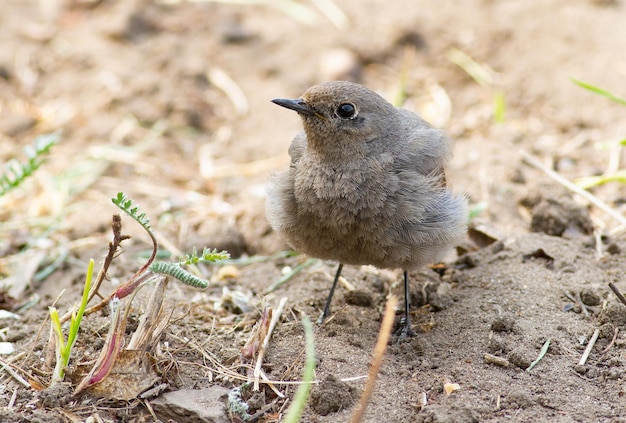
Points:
[[169, 102]]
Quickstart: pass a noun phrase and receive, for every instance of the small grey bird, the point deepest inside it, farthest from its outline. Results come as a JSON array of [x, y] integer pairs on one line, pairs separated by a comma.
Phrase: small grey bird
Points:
[[366, 185]]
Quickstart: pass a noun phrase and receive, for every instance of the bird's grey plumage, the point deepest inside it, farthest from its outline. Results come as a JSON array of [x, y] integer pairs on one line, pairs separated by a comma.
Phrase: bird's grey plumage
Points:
[[368, 189]]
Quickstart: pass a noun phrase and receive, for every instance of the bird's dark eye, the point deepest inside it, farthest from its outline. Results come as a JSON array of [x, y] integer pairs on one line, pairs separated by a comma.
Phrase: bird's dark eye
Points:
[[346, 111]]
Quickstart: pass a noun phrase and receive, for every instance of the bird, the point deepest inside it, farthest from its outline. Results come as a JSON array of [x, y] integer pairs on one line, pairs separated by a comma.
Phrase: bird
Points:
[[366, 186]]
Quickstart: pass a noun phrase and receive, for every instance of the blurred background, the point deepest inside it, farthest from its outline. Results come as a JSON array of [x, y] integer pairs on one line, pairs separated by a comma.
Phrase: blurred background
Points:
[[169, 101]]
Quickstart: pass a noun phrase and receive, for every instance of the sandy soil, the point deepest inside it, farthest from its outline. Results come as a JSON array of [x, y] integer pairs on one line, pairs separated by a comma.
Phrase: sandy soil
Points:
[[169, 102]]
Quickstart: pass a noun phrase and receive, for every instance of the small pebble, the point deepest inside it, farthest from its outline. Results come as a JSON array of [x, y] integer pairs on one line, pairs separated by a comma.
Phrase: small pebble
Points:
[[613, 249], [590, 297], [449, 388]]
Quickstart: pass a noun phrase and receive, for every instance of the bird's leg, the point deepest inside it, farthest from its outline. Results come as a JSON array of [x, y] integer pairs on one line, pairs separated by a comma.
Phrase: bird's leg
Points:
[[326, 311], [405, 330]]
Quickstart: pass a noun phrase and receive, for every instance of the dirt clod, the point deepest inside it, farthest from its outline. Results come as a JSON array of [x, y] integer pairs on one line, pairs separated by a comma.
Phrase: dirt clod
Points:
[[441, 414], [56, 395], [332, 395], [560, 217], [607, 331], [613, 313], [503, 323], [521, 357], [359, 298], [590, 297], [440, 301]]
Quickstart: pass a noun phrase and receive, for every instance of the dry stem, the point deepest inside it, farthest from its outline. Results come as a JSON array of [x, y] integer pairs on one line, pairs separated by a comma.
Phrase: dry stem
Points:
[[379, 353]]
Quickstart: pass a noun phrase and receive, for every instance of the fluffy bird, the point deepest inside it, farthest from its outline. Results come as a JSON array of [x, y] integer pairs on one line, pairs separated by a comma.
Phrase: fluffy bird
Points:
[[366, 185]]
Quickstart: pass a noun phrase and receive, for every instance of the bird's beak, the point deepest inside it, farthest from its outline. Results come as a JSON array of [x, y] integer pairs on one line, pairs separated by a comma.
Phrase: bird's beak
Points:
[[298, 105]]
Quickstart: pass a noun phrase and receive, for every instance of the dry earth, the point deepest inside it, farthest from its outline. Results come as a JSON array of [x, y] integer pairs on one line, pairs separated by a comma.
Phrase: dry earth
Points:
[[169, 102]]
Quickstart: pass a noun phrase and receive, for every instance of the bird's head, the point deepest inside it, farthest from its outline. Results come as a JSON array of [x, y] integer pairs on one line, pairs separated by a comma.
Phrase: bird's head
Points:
[[341, 112]]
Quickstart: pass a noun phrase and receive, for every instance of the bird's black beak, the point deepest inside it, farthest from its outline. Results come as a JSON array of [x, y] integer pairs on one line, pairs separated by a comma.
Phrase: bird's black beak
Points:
[[298, 105]]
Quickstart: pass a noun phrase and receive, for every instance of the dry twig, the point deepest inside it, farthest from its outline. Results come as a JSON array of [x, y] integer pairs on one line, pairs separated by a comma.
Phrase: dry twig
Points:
[[498, 361], [617, 292], [259, 362], [590, 345], [379, 353], [7, 368]]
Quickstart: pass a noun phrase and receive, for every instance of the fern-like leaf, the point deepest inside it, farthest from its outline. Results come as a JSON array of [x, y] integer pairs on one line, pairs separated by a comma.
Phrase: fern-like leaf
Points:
[[208, 256], [175, 271], [15, 172], [131, 209]]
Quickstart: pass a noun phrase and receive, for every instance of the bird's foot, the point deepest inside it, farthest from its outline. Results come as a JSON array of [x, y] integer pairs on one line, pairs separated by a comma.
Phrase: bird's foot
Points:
[[405, 330], [323, 315]]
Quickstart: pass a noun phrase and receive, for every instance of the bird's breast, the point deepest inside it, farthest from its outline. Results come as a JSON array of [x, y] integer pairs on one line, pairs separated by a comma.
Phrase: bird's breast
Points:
[[344, 193]]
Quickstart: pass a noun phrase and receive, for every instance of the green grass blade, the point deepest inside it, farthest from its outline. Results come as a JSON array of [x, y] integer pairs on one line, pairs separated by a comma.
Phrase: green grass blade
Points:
[[481, 73], [594, 181], [499, 107], [285, 278], [302, 394], [75, 323], [600, 91]]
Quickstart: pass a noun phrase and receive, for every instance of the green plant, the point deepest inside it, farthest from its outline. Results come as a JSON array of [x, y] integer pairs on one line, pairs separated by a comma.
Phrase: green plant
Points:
[[174, 270], [600, 91], [613, 173], [16, 172], [483, 75], [302, 394], [475, 210], [167, 268], [148, 272], [287, 277], [64, 348]]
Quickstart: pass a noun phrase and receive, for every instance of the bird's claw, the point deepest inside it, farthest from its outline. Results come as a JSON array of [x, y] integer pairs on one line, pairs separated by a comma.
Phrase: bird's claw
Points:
[[404, 331]]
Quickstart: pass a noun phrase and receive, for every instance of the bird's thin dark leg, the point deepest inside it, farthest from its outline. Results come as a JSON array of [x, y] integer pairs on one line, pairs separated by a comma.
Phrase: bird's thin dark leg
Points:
[[405, 329], [326, 311]]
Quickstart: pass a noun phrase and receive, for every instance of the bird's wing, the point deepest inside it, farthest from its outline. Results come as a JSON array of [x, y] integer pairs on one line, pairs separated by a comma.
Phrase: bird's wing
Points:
[[297, 147], [425, 149]]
